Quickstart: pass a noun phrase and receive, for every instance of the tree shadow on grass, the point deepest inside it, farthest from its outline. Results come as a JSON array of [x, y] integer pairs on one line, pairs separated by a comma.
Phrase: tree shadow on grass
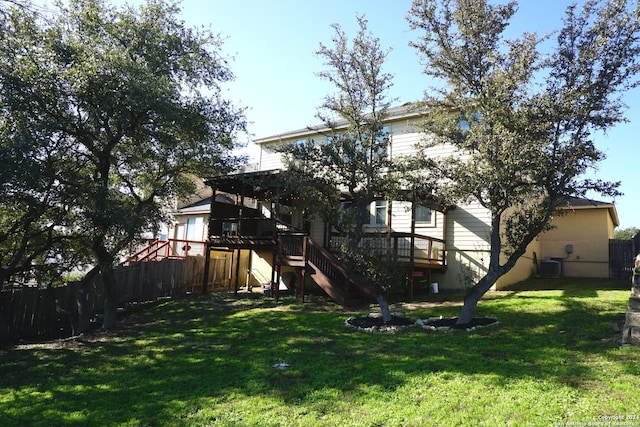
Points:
[[163, 361]]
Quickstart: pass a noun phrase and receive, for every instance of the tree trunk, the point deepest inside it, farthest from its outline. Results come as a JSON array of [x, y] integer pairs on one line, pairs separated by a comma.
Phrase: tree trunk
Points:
[[471, 300], [82, 300], [4, 332], [82, 304], [110, 297], [361, 212], [71, 314], [384, 308]]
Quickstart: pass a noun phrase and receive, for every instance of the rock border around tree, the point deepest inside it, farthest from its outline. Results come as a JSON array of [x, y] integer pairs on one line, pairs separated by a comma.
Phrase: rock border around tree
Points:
[[448, 323], [373, 323]]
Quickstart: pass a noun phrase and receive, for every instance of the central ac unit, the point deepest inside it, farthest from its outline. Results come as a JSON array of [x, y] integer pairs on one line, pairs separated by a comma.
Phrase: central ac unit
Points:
[[550, 268]]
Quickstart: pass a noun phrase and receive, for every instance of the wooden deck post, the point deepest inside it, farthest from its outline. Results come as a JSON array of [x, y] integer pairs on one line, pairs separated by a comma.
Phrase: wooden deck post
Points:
[[389, 207], [303, 270], [273, 269], [412, 250], [275, 288]]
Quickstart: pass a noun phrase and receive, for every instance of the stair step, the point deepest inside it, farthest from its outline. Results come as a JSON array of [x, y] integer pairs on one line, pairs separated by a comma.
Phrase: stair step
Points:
[[291, 261]]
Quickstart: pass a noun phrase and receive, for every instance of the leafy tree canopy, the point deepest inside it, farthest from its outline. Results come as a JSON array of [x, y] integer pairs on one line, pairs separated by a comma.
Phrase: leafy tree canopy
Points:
[[521, 121], [626, 233], [355, 151], [350, 162], [131, 100]]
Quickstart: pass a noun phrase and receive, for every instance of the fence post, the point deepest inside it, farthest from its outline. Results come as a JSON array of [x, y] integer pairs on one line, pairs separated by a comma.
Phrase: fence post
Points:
[[207, 263]]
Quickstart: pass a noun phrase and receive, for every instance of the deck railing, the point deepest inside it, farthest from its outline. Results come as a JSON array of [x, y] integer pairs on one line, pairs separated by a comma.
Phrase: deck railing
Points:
[[171, 248], [425, 249], [292, 244]]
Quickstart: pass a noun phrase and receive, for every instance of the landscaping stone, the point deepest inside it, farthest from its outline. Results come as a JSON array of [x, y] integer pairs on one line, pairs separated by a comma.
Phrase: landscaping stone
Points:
[[631, 329], [634, 303], [447, 323], [632, 318]]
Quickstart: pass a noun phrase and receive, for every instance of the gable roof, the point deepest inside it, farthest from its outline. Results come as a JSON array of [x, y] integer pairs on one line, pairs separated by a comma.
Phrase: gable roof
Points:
[[199, 207]]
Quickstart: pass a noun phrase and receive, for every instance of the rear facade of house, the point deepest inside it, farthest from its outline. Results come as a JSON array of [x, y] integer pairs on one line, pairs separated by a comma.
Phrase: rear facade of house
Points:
[[248, 242]]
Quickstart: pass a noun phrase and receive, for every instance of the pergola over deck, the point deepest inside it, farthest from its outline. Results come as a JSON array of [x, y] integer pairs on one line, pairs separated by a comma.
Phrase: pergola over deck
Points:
[[241, 226]]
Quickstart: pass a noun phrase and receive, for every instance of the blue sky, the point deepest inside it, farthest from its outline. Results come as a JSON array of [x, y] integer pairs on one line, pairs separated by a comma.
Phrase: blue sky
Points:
[[272, 43]]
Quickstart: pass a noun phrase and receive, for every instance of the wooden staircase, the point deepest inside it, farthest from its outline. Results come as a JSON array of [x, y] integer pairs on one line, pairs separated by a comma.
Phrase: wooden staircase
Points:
[[157, 250], [301, 251]]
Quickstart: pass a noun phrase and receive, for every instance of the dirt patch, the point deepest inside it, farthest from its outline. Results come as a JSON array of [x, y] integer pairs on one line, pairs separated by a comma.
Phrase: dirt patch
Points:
[[88, 339], [421, 305]]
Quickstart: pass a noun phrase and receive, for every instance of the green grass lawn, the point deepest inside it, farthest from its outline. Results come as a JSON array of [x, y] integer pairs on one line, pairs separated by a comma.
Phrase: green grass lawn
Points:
[[208, 360]]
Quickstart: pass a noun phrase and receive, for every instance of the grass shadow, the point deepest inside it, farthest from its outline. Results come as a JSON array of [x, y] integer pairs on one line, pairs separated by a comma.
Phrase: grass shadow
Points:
[[205, 354]]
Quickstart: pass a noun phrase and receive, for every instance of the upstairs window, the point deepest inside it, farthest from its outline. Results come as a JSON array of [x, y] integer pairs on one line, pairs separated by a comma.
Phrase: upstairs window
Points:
[[382, 144], [380, 147], [299, 147]]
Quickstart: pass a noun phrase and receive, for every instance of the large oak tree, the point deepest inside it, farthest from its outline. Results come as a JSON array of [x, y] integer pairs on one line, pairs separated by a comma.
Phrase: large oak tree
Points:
[[132, 100], [523, 122]]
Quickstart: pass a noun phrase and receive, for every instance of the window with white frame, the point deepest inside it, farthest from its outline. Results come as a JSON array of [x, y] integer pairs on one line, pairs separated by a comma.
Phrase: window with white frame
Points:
[[382, 145], [379, 213], [299, 146], [424, 216], [195, 228]]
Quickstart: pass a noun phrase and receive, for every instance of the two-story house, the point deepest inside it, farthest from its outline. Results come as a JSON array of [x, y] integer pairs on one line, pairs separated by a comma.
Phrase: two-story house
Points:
[[266, 239]]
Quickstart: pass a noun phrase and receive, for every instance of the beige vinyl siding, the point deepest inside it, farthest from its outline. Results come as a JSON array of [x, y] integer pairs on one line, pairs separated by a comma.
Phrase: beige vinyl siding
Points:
[[401, 221], [523, 269], [269, 158], [469, 227], [401, 216], [404, 137]]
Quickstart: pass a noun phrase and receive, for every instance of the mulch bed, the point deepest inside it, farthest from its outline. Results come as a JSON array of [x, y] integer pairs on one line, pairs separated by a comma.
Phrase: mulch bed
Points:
[[376, 321]]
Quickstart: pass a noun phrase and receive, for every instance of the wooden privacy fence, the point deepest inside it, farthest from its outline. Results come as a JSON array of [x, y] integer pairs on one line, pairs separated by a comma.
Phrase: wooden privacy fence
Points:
[[28, 313], [622, 254]]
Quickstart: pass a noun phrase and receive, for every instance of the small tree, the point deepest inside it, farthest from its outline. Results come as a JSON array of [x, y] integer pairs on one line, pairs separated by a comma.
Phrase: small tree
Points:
[[522, 123], [626, 233], [134, 98], [354, 161]]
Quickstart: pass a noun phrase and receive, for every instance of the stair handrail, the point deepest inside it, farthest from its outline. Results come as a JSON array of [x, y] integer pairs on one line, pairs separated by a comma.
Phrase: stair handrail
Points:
[[337, 264], [150, 252], [147, 249]]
